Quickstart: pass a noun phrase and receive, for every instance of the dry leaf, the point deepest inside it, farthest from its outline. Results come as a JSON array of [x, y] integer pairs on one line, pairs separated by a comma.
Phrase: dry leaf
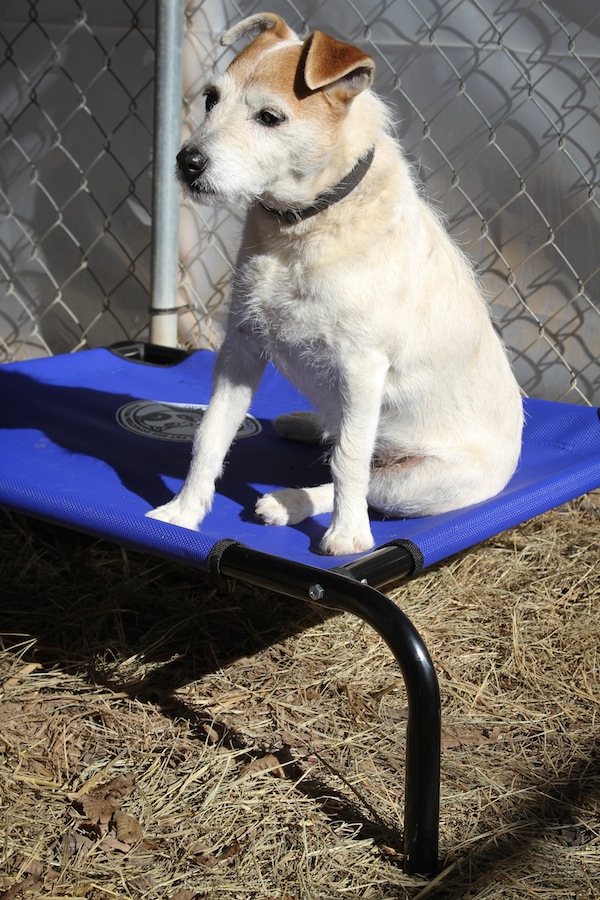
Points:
[[77, 843], [211, 733], [209, 859], [111, 842], [16, 889], [264, 763], [231, 850], [32, 879], [120, 786], [28, 866], [150, 845], [23, 672], [102, 802], [128, 829], [291, 739], [92, 828], [142, 884], [206, 859], [99, 809]]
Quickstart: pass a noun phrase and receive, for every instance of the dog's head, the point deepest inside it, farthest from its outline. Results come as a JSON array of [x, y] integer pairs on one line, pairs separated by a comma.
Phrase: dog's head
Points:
[[277, 122]]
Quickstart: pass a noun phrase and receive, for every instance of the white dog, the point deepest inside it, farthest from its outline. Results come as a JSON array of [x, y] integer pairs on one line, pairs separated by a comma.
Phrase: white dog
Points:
[[348, 282]]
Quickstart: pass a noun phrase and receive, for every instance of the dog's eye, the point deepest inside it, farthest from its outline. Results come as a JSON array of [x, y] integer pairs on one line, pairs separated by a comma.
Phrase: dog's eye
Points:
[[211, 98], [269, 118]]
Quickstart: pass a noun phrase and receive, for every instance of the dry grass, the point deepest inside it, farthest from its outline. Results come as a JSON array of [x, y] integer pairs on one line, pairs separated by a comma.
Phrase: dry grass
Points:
[[167, 736]]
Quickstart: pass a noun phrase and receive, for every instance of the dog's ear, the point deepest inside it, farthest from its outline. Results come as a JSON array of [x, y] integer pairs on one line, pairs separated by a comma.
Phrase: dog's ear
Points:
[[255, 25], [341, 69]]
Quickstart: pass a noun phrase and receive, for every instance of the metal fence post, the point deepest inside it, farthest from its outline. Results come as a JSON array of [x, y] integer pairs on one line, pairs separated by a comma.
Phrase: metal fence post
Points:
[[165, 199]]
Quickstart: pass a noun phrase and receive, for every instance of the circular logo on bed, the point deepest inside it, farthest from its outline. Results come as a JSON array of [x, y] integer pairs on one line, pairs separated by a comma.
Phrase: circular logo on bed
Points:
[[171, 421]]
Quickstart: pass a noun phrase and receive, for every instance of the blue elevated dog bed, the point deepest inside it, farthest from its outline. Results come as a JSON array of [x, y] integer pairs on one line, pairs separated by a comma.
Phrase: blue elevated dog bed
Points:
[[93, 440]]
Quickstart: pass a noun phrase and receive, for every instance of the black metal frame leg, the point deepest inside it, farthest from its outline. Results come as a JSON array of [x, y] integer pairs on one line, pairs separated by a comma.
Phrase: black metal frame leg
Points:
[[339, 590]]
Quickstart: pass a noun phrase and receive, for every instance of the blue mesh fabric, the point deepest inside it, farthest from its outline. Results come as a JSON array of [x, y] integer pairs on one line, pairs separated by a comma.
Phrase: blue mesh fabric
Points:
[[68, 455]]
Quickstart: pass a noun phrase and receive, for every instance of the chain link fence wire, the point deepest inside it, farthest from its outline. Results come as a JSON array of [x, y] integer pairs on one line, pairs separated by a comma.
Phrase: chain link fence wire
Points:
[[76, 107], [497, 102]]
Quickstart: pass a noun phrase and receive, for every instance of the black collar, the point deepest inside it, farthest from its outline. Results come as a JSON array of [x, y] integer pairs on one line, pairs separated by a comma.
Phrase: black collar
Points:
[[328, 198]]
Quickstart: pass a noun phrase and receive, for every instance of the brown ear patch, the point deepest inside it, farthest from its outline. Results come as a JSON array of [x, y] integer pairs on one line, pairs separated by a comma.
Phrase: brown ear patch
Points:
[[329, 62]]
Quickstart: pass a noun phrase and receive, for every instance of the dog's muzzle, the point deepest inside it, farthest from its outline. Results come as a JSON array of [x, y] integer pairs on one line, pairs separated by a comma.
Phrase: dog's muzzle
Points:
[[191, 164]]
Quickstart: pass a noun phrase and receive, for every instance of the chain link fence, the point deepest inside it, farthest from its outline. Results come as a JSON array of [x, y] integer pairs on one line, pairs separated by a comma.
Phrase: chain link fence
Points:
[[76, 105], [497, 102]]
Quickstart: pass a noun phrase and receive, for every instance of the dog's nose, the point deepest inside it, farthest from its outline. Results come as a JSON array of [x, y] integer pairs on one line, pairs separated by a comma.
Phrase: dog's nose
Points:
[[191, 163]]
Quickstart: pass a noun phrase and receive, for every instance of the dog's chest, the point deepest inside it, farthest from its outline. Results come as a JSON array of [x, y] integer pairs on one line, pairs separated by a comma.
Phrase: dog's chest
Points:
[[285, 307]]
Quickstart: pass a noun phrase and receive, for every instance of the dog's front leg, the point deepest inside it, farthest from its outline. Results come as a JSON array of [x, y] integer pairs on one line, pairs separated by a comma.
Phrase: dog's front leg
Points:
[[238, 370], [361, 391]]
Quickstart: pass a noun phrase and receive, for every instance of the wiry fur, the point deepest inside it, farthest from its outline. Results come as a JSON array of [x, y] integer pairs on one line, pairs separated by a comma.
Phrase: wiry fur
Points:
[[368, 307]]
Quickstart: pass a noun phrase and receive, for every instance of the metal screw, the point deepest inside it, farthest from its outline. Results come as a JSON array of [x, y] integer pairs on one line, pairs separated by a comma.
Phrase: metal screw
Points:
[[316, 592]]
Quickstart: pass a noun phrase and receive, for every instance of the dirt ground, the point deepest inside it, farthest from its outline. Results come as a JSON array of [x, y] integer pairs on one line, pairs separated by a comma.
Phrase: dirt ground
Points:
[[166, 735]]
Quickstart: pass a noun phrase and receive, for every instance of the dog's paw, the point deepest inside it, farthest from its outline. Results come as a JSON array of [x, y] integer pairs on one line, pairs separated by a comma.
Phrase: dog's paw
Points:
[[270, 511], [287, 507], [177, 513], [346, 542]]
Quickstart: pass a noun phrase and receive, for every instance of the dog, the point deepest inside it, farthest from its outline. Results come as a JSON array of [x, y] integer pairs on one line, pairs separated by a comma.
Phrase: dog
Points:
[[348, 282]]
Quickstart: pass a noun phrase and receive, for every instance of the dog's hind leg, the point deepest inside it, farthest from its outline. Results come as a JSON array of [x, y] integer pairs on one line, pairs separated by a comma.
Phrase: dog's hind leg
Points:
[[293, 505], [429, 486]]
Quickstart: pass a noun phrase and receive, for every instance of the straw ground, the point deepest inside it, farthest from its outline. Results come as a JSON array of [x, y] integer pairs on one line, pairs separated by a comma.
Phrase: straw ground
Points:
[[165, 735]]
